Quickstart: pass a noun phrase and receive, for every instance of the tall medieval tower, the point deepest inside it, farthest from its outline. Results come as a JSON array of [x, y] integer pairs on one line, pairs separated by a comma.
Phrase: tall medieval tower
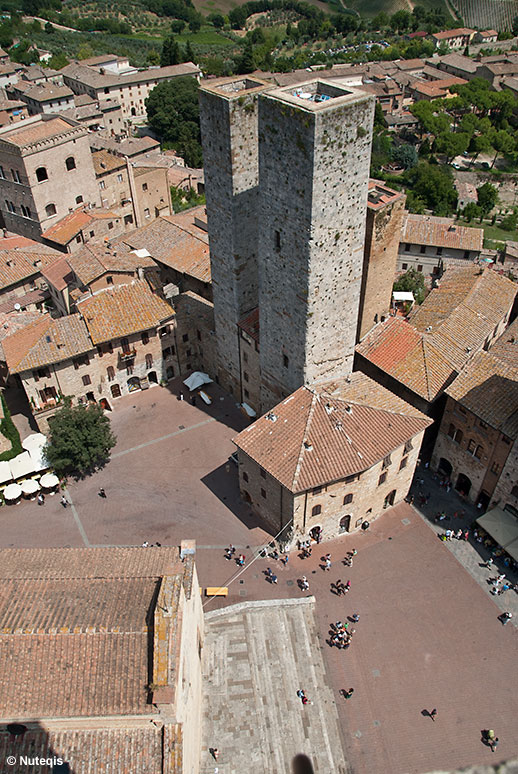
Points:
[[228, 115], [314, 156]]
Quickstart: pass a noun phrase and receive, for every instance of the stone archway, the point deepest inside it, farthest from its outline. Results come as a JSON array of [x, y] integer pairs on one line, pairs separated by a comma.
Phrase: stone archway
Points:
[[445, 467], [345, 523], [463, 484]]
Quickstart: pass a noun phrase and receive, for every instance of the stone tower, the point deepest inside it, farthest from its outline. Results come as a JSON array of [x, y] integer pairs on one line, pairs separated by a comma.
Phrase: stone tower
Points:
[[228, 116], [314, 155], [385, 209]]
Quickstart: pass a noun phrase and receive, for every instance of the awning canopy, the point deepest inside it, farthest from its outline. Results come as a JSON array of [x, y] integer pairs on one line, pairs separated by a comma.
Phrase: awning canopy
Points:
[[403, 295], [503, 528], [5, 472], [22, 465], [49, 480], [12, 492], [197, 379]]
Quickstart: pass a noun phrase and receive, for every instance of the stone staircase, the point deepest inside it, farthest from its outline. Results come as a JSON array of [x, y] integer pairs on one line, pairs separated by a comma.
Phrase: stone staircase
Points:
[[256, 656]]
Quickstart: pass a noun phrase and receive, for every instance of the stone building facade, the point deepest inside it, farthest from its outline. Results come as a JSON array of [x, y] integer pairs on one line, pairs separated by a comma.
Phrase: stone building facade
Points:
[[478, 429], [322, 462], [229, 126], [385, 209], [46, 171], [505, 494], [314, 155]]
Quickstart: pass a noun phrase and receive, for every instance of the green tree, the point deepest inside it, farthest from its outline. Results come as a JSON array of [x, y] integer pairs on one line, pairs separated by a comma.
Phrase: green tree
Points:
[[432, 184], [170, 52], [153, 58], [471, 210], [217, 20], [85, 51], [173, 112], [487, 196], [380, 20], [245, 63], [80, 439], [195, 24], [57, 61], [379, 118], [401, 21], [405, 155], [177, 26], [189, 53], [412, 281], [452, 144]]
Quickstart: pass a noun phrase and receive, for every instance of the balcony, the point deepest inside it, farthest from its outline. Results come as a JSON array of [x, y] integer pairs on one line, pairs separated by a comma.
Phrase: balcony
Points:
[[127, 355]]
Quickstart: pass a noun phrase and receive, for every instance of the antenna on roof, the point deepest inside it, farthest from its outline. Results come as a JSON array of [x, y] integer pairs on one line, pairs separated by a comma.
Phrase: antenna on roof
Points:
[[271, 416], [308, 445]]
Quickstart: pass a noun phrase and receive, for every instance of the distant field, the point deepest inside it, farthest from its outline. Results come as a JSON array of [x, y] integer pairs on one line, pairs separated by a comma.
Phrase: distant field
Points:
[[373, 7], [224, 6]]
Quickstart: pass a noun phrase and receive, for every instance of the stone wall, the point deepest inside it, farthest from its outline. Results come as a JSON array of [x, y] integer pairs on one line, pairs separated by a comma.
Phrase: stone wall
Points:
[[228, 116], [278, 507], [195, 339], [506, 490], [382, 235], [476, 451], [250, 371], [313, 169]]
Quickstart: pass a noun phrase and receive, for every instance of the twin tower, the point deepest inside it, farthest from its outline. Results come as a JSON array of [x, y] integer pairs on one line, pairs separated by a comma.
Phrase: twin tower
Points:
[[286, 181]]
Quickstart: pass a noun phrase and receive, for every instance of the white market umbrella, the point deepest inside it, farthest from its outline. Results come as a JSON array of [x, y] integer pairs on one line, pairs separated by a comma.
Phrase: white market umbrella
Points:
[[29, 486], [5, 472], [12, 492], [49, 480], [22, 465], [34, 441], [196, 379]]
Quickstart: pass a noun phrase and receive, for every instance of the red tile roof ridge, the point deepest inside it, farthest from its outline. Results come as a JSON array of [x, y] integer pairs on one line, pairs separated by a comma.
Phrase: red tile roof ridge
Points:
[[17, 344], [311, 411]]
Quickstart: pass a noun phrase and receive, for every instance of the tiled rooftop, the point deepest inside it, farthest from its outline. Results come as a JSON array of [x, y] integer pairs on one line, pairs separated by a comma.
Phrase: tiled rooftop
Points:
[[25, 134], [442, 334], [319, 437], [488, 387], [58, 273], [440, 232], [46, 341], [105, 162], [380, 194], [123, 310], [447, 34], [506, 346], [69, 226], [19, 265], [250, 324], [94, 260]]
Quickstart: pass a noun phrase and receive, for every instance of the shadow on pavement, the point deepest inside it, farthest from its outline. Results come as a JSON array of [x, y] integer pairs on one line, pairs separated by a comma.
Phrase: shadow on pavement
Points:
[[223, 406], [223, 482]]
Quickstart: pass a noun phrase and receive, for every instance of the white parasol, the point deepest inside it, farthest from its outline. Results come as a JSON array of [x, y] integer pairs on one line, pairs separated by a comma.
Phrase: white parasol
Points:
[[12, 492], [34, 441], [49, 480], [29, 486]]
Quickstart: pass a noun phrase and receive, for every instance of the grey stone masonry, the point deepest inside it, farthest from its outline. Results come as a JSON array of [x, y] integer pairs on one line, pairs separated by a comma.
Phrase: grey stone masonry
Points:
[[314, 155], [228, 115]]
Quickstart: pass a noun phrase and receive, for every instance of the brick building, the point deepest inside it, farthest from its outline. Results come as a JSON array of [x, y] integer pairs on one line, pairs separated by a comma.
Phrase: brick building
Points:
[[453, 39], [327, 459], [113, 345], [80, 226], [385, 210], [479, 428], [21, 278], [46, 171], [42, 97], [426, 241], [108, 667], [12, 111]]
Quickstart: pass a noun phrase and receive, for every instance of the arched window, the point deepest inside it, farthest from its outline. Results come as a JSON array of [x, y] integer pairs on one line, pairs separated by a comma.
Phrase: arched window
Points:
[[79, 199], [41, 174], [50, 209], [70, 163], [316, 510], [348, 499], [149, 361], [110, 371]]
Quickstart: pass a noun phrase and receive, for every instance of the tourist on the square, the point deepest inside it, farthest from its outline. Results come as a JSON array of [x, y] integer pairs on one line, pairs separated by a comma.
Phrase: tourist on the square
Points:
[[240, 560], [64, 501], [102, 493]]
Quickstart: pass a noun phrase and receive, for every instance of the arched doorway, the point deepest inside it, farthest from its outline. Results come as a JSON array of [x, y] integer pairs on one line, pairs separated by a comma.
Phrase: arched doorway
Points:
[[389, 499], [153, 378], [246, 496], [169, 374], [133, 111], [105, 405], [345, 523], [445, 467], [463, 484], [316, 533], [133, 383], [115, 390]]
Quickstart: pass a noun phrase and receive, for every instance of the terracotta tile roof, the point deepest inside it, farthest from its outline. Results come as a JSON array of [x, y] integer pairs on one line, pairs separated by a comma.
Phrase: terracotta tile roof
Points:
[[442, 335], [74, 630], [92, 77], [184, 248], [11, 322], [447, 34], [18, 265], [42, 130], [45, 92], [105, 162], [506, 346], [440, 232], [317, 438], [460, 62], [409, 356], [250, 323], [9, 302], [121, 749], [380, 194], [488, 387], [123, 310], [69, 226], [437, 88], [46, 341], [94, 260], [58, 274]]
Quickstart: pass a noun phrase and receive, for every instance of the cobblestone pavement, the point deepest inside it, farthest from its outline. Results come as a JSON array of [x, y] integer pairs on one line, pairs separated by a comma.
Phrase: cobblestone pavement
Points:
[[256, 657]]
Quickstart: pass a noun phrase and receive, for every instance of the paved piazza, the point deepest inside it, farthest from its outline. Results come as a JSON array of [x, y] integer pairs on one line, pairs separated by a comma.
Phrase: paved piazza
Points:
[[428, 634]]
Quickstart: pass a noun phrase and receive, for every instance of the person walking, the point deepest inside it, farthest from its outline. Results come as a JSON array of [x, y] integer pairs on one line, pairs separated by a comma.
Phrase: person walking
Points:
[[102, 493], [64, 501], [506, 617], [215, 753], [355, 617], [348, 694], [285, 560], [41, 499], [433, 714], [327, 560], [347, 586], [273, 578], [304, 583]]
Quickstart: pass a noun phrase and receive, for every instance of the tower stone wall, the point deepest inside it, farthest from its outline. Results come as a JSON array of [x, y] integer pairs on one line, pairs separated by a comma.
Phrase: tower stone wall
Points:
[[228, 115], [314, 155], [385, 209]]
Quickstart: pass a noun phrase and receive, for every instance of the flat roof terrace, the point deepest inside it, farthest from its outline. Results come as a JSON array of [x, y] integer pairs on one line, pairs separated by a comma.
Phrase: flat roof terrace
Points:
[[317, 94], [236, 87]]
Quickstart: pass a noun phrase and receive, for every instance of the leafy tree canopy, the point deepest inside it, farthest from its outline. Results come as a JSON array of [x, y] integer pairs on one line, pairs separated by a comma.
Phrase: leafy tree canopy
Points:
[[80, 439], [412, 281], [487, 197], [405, 155], [173, 112], [433, 185]]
